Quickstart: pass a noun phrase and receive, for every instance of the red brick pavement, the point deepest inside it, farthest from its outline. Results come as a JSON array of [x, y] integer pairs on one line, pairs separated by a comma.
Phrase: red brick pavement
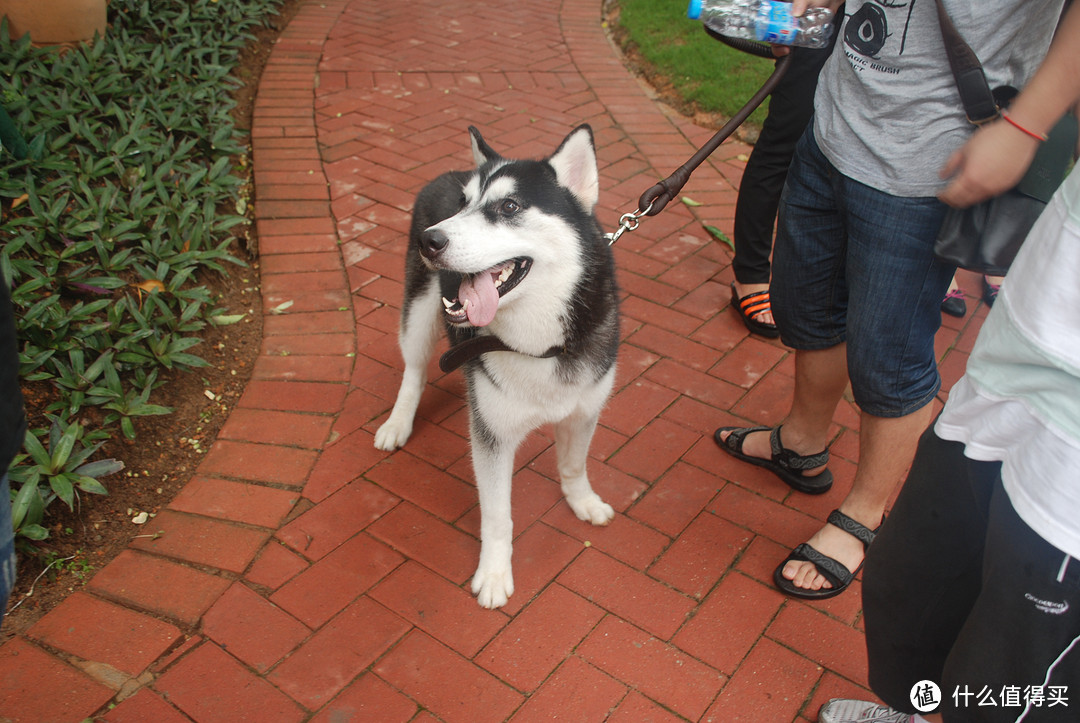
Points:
[[304, 575]]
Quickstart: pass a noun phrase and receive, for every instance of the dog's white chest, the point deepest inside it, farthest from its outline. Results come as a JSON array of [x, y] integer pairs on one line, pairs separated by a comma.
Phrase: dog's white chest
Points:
[[532, 392]]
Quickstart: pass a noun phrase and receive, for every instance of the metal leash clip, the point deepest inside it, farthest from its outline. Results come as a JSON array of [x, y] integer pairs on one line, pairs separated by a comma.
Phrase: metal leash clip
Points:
[[627, 222]]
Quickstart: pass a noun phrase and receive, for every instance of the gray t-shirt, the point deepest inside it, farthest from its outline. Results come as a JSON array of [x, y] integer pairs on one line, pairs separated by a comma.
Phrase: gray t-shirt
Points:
[[887, 112]]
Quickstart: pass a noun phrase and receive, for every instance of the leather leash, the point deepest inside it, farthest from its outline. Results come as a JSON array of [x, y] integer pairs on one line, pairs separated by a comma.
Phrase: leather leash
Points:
[[657, 197]]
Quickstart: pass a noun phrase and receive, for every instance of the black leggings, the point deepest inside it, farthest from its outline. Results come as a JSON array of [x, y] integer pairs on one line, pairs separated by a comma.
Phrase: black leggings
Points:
[[790, 108]]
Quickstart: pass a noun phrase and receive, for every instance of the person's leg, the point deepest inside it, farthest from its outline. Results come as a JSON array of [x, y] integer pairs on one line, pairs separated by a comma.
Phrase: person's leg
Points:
[[960, 591], [790, 106], [1020, 644], [886, 447], [894, 286], [922, 576], [924, 570], [7, 545], [820, 380], [809, 295]]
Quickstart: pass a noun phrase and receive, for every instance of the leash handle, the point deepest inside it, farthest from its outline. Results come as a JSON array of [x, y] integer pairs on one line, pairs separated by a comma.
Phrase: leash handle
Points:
[[656, 198]]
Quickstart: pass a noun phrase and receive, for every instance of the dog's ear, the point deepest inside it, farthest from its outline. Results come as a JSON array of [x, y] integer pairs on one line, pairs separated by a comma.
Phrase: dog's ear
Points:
[[575, 166], [481, 151]]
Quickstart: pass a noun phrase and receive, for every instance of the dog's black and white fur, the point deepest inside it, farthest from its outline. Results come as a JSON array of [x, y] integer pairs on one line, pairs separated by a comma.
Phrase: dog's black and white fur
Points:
[[513, 250]]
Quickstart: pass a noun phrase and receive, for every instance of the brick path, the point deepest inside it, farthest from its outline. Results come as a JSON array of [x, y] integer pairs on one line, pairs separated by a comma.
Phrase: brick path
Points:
[[304, 575]]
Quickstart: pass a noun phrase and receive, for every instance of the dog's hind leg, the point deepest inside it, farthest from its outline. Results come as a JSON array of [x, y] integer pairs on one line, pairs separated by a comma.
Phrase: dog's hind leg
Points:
[[572, 438], [419, 331]]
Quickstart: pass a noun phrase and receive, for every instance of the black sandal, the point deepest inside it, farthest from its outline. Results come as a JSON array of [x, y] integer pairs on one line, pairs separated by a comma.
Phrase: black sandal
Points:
[[785, 464], [750, 307], [838, 575]]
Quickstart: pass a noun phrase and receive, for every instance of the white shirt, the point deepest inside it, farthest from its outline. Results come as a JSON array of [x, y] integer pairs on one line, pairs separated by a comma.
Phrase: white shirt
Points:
[[1019, 401]]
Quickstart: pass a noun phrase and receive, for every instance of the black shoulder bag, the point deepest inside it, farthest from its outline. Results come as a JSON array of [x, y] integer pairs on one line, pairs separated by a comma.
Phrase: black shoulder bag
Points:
[[987, 236]]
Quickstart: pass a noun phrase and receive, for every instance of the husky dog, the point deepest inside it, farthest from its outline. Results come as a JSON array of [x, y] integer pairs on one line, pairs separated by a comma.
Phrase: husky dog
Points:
[[511, 259]]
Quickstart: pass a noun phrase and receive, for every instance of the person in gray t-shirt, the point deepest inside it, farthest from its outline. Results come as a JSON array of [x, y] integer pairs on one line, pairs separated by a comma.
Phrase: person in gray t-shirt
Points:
[[856, 288]]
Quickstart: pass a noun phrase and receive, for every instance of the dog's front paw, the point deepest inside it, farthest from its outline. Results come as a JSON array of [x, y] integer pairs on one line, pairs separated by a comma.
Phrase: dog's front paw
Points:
[[591, 509], [392, 434], [493, 587]]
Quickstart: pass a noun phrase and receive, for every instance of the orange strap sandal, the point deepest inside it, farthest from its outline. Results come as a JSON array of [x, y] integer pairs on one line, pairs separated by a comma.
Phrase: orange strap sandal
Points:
[[750, 307]]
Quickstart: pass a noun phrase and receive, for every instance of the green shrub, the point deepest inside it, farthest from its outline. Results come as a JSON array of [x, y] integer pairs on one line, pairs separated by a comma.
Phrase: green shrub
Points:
[[126, 194]]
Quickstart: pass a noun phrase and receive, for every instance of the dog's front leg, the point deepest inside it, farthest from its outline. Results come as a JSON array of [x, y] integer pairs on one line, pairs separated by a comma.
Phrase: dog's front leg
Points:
[[572, 438], [493, 465], [419, 332]]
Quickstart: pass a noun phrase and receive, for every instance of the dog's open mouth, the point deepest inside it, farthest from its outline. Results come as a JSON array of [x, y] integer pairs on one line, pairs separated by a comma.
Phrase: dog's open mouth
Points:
[[479, 294]]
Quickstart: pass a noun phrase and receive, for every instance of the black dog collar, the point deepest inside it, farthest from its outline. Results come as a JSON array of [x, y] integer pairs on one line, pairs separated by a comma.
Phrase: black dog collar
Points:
[[474, 347]]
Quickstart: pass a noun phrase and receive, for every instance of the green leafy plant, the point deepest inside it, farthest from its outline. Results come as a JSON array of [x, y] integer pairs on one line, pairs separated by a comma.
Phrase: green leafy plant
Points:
[[59, 471], [125, 200], [126, 402]]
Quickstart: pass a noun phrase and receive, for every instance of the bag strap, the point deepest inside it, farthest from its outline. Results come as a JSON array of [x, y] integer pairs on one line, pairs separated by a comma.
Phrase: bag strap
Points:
[[975, 93]]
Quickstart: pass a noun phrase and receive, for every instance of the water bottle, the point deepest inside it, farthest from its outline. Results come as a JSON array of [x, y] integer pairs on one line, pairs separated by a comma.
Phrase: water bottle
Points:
[[769, 21]]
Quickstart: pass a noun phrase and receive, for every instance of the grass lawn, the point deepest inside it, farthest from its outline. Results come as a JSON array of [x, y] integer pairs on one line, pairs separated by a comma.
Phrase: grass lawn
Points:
[[707, 75]]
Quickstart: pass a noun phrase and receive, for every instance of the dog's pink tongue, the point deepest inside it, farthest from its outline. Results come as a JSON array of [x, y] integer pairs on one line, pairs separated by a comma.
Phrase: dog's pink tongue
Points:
[[482, 297]]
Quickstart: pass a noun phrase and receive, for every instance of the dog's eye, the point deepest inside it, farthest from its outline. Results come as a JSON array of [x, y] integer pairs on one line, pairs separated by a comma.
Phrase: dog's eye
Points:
[[509, 207], [462, 201]]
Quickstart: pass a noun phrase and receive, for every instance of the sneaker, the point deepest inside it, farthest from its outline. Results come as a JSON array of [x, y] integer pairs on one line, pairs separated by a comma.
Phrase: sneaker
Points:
[[842, 710], [953, 304]]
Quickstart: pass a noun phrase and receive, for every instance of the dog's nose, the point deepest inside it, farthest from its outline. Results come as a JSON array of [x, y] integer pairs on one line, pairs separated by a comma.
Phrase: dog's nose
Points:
[[433, 242]]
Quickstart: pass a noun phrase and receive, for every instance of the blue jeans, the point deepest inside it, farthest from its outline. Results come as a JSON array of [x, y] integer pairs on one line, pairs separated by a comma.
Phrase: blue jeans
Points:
[[856, 265], [7, 545]]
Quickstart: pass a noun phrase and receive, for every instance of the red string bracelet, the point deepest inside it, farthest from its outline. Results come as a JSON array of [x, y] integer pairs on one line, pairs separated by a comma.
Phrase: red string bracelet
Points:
[[1022, 129]]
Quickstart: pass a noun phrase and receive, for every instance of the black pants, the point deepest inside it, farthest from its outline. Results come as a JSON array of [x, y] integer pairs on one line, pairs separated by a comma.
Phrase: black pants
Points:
[[959, 591], [790, 108]]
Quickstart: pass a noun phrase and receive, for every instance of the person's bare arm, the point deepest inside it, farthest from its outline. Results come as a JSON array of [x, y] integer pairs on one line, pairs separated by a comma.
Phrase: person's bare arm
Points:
[[998, 154]]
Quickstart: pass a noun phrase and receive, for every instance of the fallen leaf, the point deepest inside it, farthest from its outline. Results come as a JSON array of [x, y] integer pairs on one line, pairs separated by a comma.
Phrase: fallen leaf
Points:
[[150, 286], [720, 235], [226, 319]]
